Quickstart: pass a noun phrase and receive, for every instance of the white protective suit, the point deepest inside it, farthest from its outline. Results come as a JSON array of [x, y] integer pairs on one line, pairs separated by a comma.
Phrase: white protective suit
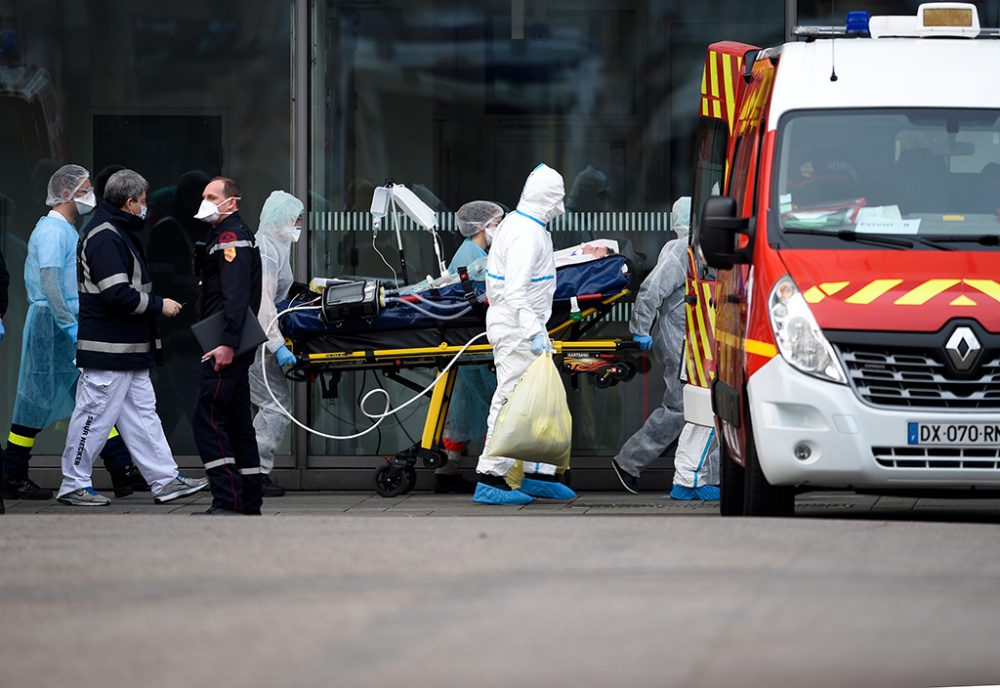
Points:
[[659, 312], [275, 236], [520, 285]]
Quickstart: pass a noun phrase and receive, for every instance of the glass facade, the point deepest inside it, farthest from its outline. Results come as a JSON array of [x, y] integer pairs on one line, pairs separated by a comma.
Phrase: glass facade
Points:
[[163, 88], [457, 99], [461, 99]]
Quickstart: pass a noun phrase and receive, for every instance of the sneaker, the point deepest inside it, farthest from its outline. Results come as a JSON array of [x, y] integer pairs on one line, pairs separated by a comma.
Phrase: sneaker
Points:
[[181, 486], [24, 489], [629, 481], [269, 488], [86, 496]]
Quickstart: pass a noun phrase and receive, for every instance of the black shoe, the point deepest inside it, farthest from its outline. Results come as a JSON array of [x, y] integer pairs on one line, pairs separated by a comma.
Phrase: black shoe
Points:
[[452, 484], [121, 483], [269, 488], [629, 481], [24, 489], [216, 511]]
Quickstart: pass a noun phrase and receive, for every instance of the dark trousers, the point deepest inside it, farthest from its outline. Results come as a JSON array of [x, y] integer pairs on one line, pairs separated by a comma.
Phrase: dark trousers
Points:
[[223, 431], [22, 439]]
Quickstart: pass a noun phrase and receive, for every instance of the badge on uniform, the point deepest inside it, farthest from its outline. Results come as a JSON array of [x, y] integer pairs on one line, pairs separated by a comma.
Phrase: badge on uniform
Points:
[[229, 253]]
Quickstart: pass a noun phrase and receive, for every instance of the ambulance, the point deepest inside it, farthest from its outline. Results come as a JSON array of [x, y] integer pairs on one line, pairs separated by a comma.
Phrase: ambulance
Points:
[[848, 228]]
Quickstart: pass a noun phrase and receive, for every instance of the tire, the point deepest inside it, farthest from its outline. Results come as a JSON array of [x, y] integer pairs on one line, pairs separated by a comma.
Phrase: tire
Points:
[[390, 480], [731, 488], [761, 498]]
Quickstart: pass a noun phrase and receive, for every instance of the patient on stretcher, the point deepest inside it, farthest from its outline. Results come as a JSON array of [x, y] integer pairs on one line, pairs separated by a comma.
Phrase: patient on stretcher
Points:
[[574, 255]]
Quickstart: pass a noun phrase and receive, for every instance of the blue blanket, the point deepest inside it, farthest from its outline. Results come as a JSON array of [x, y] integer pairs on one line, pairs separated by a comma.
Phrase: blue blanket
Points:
[[604, 277]]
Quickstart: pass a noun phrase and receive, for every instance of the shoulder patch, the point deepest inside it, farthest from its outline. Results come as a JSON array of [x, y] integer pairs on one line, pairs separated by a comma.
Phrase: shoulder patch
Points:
[[227, 236], [229, 254]]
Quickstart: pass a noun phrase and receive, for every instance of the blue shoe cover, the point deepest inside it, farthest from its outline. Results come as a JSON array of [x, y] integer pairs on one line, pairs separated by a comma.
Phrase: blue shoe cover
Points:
[[544, 489], [487, 494], [705, 493]]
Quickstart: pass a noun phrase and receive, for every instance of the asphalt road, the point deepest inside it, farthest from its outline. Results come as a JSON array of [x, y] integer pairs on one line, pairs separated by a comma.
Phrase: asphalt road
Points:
[[345, 595]]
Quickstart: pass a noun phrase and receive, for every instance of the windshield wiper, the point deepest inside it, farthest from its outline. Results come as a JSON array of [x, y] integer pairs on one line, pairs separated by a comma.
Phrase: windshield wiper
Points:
[[984, 239], [851, 235], [875, 239]]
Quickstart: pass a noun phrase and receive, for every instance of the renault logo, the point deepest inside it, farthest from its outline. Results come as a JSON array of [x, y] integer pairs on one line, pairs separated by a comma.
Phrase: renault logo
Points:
[[963, 348]]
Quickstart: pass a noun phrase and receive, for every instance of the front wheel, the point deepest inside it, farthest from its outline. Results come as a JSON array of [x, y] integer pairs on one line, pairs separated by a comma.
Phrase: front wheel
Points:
[[731, 478], [761, 498]]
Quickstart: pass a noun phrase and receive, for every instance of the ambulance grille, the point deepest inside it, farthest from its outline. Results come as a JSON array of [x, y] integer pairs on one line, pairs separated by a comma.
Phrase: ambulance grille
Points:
[[973, 458], [907, 377]]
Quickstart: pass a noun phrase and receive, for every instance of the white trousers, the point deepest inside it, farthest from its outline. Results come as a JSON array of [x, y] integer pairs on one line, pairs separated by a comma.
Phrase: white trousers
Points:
[[269, 423], [125, 398], [512, 358], [696, 462]]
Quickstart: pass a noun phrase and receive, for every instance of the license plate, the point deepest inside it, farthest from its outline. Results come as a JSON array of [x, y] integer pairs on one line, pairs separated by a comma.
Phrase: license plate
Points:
[[952, 434]]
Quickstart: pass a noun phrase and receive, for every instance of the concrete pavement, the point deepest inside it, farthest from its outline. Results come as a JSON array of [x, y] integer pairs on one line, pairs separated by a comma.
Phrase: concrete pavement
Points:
[[354, 590]]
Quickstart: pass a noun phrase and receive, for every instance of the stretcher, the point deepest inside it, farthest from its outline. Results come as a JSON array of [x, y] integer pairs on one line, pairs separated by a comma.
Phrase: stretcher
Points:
[[402, 338]]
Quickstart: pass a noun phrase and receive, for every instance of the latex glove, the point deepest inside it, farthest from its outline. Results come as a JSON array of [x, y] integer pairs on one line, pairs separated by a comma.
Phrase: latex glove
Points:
[[540, 344], [2, 331], [645, 341], [284, 356], [73, 332]]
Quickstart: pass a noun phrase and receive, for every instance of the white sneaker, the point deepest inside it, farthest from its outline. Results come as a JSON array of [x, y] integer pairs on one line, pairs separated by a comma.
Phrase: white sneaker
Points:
[[86, 496], [181, 486]]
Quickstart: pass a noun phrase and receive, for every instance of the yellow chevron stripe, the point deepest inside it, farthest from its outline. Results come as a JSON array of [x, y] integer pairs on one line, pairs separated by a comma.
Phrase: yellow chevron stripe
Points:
[[727, 80], [963, 300], [759, 348], [988, 287], [918, 296], [872, 291], [814, 295], [717, 109], [20, 440], [714, 81], [831, 288], [703, 333], [751, 346], [704, 77]]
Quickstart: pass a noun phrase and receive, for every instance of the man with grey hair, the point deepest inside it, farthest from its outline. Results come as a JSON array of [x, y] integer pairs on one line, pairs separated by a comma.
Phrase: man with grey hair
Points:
[[117, 346]]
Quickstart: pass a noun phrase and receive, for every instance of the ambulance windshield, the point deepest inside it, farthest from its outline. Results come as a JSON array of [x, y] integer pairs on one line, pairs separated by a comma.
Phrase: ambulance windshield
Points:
[[928, 173]]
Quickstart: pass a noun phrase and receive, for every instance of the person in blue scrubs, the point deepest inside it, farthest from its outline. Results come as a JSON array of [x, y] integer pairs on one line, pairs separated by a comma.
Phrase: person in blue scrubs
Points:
[[475, 384]]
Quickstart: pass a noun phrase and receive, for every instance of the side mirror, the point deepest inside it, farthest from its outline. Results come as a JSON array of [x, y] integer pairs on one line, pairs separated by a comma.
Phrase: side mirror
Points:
[[719, 227]]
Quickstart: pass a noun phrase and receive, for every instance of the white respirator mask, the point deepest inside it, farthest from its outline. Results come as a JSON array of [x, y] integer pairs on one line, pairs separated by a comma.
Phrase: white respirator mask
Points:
[[209, 212], [86, 203]]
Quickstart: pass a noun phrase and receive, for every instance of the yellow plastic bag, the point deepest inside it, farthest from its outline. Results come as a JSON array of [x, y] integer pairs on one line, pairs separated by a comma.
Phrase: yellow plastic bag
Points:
[[534, 423]]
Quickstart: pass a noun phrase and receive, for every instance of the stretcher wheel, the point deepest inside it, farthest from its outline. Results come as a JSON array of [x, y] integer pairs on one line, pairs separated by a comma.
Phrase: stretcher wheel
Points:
[[391, 480], [604, 381], [622, 372]]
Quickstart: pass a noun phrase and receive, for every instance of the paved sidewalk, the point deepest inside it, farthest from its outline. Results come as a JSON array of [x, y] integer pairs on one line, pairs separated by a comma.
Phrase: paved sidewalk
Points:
[[810, 505]]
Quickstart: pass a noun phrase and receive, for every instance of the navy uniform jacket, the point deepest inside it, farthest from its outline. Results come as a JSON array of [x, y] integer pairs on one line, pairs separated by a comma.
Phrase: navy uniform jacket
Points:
[[118, 308], [230, 278]]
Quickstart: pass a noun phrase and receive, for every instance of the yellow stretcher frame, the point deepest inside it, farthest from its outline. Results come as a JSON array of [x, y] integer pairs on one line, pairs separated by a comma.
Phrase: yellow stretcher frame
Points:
[[398, 476]]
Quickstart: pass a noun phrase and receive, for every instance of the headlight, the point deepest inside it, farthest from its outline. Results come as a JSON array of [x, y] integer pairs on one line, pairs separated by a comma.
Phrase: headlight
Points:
[[799, 338]]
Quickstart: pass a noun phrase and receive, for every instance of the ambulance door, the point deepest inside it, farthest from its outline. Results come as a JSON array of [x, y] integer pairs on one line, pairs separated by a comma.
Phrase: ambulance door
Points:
[[732, 305], [721, 90]]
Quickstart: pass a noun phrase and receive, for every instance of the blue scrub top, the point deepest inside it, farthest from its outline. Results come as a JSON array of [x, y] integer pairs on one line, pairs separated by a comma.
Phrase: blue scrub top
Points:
[[467, 254]]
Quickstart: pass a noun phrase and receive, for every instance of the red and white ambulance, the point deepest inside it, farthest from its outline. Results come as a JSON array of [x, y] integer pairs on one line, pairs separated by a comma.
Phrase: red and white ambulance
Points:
[[857, 292]]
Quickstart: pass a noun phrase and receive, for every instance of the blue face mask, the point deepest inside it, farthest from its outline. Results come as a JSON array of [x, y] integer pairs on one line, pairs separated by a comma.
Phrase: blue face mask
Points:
[[142, 212]]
